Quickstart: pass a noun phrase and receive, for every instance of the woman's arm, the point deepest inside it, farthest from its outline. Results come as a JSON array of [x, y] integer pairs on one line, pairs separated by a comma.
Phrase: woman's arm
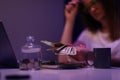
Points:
[[70, 14]]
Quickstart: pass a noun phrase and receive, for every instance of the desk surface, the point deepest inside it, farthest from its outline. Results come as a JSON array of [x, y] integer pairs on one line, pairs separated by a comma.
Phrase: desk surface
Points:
[[71, 74]]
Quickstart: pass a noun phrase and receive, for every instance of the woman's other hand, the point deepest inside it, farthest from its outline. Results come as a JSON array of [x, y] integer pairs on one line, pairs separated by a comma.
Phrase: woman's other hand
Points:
[[82, 56], [71, 10]]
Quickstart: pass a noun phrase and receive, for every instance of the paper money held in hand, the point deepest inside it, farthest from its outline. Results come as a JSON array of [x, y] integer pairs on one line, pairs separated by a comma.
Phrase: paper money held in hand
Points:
[[60, 48]]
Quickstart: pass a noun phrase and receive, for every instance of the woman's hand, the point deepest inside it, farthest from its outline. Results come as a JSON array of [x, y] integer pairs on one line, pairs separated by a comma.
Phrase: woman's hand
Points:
[[83, 56], [71, 10]]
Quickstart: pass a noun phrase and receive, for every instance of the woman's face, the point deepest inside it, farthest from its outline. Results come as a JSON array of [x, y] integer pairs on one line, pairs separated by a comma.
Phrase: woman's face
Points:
[[95, 9]]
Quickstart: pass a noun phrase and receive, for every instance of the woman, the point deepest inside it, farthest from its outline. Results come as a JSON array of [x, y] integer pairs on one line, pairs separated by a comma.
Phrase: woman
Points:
[[102, 21]]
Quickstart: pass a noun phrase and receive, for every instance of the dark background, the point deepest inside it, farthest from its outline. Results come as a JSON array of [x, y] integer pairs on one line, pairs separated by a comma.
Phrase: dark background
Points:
[[42, 19]]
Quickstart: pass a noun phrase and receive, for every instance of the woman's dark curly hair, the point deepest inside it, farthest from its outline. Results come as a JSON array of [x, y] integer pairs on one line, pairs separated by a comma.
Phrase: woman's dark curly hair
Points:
[[112, 11]]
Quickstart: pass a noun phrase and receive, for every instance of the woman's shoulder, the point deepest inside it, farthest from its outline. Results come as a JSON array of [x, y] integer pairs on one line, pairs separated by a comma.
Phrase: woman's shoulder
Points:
[[86, 32]]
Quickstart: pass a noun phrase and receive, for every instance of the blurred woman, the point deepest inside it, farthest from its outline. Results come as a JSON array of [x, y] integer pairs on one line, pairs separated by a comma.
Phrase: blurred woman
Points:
[[102, 22]]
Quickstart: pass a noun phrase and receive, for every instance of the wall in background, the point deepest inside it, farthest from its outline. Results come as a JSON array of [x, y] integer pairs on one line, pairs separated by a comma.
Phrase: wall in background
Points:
[[41, 18]]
